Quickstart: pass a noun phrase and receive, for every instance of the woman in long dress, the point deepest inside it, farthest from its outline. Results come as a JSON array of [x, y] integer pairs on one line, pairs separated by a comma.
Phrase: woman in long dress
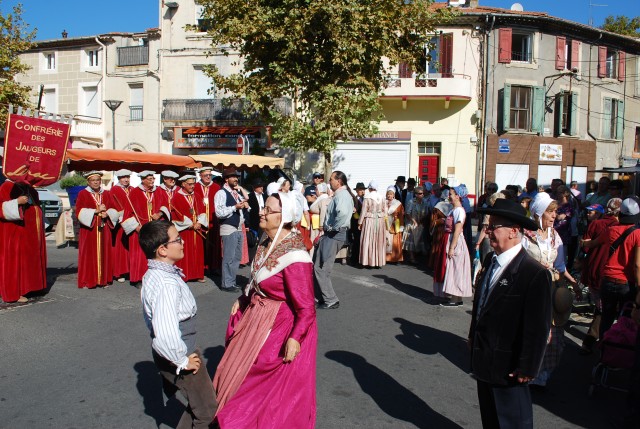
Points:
[[440, 230], [395, 226], [266, 378], [545, 246], [415, 217], [373, 249], [457, 279]]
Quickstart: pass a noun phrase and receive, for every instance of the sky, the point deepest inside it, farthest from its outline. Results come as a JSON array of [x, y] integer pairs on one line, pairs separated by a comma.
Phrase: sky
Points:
[[92, 17]]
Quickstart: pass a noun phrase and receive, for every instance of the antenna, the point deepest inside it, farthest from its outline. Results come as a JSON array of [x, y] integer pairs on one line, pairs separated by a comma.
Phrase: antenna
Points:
[[592, 5], [517, 7]]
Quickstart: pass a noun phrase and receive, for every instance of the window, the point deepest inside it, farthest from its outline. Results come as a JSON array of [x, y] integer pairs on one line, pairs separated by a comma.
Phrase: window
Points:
[[522, 108], [93, 56], [441, 55], [636, 147], [90, 101], [514, 46], [612, 119], [49, 60], [566, 110], [611, 63], [428, 147], [49, 100], [203, 23], [404, 70], [136, 101], [202, 84], [567, 54]]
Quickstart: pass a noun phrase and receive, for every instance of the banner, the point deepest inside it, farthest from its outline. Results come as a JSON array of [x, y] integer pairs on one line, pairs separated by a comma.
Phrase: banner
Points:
[[34, 150]]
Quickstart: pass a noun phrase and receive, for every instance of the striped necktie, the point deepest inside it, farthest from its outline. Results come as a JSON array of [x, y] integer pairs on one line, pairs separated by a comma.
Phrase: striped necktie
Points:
[[487, 283]]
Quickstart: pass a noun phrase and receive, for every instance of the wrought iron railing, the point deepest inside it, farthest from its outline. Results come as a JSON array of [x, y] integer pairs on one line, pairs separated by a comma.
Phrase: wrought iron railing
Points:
[[133, 56], [135, 113], [216, 109]]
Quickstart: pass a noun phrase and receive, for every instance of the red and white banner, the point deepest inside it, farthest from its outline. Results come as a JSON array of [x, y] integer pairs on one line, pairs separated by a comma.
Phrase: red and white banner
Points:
[[34, 150]]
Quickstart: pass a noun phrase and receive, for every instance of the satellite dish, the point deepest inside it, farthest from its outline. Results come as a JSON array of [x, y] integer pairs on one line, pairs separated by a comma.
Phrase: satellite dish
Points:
[[517, 7]]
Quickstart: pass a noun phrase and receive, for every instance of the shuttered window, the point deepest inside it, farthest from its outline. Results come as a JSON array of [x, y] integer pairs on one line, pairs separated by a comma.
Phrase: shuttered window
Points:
[[613, 119], [566, 111], [523, 108]]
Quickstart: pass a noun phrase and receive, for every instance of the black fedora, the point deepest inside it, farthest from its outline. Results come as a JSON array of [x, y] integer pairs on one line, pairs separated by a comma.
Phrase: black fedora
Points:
[[512, 211], [360, 185]]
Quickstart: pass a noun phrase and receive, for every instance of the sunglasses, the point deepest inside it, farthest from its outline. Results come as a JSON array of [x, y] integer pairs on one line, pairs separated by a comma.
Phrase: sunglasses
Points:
[[491, 228]]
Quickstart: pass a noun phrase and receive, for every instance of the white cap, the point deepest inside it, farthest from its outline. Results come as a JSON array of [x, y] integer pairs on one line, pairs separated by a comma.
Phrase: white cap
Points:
[[373, 185], [540, 204], [122, 173], [629, 207], [187, 177], [391, 188], [205, 168], [291, 209], [170, 174], [92, 173], [273, 188], [146, 173]]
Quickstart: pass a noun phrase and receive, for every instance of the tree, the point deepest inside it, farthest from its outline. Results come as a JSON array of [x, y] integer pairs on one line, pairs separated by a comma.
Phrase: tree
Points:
[[622, 25], [15, 38], [327, 56]]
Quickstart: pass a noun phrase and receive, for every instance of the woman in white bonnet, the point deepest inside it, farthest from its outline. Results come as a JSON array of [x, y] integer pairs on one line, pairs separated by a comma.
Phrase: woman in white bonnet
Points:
[[545, 246], [373, 249]]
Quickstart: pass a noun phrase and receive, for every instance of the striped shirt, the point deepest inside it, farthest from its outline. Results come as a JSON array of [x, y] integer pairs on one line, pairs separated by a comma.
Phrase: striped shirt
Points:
[[167, 300]]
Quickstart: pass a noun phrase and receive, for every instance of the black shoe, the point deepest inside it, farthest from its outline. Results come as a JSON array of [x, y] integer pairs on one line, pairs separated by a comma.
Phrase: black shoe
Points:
[[451, 304], [233, 289], [325, 306]]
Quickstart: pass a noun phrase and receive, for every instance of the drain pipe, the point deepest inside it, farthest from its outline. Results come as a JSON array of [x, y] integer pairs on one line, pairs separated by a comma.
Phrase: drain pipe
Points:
[[486, 98], [103, 84], [589, 133]]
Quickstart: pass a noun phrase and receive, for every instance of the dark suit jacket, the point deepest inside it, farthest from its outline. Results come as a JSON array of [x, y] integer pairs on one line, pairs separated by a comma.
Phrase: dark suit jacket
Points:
[[511, 332], [254, 214], [399, 195]]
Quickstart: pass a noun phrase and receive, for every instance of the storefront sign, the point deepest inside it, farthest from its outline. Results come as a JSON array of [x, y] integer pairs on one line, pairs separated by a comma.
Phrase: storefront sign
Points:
[[224, 138], [34, 150], [503, 146], [550, 152], [386, 136]]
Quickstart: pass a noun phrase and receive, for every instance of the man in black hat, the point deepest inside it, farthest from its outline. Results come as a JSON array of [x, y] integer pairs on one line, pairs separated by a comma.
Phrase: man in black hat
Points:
[[256, 202], [230, 208], [400, 182], [354, 231], [510, 321]]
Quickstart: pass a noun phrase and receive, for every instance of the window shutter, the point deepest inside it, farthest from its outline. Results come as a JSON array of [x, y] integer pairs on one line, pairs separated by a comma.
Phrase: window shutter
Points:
[[504, 45], [602, 61], [446, 54], [606, 119], [537, 112], [404, 70], [620, 121], [621, 66], [575, 54], [506, 106], [558, 115], [561, 47], [573, 112]]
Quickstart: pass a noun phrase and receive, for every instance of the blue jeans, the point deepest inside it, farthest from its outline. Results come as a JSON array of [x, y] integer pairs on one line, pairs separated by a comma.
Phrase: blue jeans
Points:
[[232, 248], [613, 296]]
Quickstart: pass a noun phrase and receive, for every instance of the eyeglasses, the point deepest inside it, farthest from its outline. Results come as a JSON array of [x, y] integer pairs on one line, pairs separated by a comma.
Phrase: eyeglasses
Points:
[[267, 211], [206, 175], [177, 240], [491, 228], [419, 193]]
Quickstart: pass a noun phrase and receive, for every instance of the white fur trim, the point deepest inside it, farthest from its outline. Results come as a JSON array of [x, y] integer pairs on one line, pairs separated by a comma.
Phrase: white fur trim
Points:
[[185, 224], [86, 217], [284, 261], [166, 212], [130, 225], [202, 220], [11, 210], [113, 215]]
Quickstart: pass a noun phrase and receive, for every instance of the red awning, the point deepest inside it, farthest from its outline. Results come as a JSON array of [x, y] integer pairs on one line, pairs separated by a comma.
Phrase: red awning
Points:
[[110, 160]]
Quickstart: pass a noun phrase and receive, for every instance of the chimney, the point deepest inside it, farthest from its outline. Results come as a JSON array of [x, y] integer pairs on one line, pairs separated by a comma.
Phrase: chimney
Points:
[[64, 34], [473, 4]]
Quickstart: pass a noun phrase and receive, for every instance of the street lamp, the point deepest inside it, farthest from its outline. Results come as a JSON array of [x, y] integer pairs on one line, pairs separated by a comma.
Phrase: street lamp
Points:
[[113, 106]]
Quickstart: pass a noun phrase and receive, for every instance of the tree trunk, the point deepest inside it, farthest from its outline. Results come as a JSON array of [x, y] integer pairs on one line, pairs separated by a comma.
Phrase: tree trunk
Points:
[[328, 168]]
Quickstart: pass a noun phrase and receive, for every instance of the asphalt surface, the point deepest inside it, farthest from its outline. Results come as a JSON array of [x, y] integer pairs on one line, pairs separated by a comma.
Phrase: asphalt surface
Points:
[[387, 358]]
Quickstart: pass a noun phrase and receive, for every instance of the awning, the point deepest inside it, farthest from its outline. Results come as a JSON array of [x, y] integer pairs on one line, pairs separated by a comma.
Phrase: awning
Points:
[[109, 160], [242, 162]]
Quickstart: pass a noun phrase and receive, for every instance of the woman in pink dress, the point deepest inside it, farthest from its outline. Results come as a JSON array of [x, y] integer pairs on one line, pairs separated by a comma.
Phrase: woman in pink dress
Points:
[[457, 278], [373, 248], [267, 376]]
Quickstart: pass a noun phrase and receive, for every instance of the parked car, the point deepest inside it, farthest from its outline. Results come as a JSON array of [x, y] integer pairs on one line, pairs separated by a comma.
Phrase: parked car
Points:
[[51, 206]]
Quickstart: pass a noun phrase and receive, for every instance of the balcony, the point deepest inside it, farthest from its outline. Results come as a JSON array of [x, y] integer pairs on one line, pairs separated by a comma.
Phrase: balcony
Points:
[[215, 109], [135, 113], [133, 56], [86, 127], [455, 87]]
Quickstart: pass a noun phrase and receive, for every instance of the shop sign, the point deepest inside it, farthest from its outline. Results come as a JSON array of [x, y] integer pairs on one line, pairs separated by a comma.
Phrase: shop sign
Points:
[[550, 152]]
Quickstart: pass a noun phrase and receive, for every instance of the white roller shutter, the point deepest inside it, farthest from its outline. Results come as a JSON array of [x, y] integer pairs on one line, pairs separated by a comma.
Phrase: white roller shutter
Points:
[[511, 174], [363, 162]]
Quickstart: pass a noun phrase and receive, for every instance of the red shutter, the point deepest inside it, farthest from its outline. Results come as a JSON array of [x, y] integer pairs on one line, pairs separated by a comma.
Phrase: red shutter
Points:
[[561, 47], [404, 70], [504, 45], [575, 54], [621, 66], [446, 54], [602, 61]]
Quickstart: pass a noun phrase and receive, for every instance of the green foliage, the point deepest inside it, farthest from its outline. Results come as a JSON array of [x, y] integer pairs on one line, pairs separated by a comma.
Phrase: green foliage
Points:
[[327, 56], [15, 37], [622, 25], [75, 180]]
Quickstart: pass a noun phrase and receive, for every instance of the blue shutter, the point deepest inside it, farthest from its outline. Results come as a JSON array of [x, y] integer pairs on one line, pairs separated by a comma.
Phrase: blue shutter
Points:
[[606, 119], [537, 113], [506, 106], [620, 121], [573, 112]]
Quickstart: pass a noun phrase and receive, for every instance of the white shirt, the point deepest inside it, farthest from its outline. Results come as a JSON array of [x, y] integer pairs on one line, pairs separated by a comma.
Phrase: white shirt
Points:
[[503, 260]]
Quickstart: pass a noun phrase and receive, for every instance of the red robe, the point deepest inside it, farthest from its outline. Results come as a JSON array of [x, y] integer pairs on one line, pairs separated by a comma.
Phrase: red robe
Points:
[[186, 210], [23, 250], [120, 240], [165, 195], [95, 267], [143, 205], [213, 245]]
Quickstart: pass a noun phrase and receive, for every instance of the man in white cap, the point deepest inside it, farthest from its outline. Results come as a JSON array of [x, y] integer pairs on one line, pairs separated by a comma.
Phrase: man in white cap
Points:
[[120, 244], [206, 190], [145, 206], [230, 209], [167, 187], [97, 218], [190, 218]]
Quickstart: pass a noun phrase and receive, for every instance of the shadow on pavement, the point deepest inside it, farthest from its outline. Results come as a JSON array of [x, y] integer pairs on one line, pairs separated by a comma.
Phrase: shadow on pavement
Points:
[[149, 385], [413, 291], [390, 396], [54, 273], [429, 341], [213, 356]]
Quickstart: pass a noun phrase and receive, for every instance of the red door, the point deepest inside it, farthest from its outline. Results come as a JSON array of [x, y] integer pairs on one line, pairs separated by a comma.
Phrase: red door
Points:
[[428, 168]]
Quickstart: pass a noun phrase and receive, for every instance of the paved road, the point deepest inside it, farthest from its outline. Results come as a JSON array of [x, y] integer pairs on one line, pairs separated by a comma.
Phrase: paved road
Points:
[[387, 358]]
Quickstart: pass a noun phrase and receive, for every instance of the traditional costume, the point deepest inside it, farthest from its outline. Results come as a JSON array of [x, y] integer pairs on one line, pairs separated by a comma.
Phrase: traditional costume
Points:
[[165, 194], [213, 244], [120, 240], [373, 226], [23, 254], [394, 230]]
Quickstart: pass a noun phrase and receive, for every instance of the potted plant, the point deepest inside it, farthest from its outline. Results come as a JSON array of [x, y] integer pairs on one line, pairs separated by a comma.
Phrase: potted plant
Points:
[[73, 185]]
